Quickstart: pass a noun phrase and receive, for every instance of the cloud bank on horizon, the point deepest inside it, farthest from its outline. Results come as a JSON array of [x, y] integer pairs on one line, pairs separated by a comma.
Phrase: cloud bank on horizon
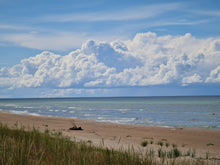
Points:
[[109, 48], [145, 60]]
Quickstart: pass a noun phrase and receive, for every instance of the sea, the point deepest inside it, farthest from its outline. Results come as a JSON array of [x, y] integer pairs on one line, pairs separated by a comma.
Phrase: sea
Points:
[[178, 111]]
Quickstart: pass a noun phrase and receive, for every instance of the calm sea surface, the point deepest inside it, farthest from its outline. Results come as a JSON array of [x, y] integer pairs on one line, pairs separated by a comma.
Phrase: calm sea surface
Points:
[[195, 112]]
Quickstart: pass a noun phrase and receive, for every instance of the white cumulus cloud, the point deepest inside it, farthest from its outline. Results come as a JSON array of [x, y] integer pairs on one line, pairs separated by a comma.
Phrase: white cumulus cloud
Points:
[[192, 79], [145, 60], [214, 75]]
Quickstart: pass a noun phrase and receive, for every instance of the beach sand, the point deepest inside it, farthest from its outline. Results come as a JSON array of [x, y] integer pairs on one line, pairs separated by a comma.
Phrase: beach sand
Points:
[[123, 136]]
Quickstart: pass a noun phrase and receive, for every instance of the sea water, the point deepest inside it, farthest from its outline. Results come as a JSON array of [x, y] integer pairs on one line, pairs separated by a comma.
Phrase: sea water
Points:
[[191, 111]]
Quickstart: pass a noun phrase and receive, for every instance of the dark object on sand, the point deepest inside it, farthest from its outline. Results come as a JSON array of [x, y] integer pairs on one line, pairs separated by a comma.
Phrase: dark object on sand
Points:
[[75, 128]]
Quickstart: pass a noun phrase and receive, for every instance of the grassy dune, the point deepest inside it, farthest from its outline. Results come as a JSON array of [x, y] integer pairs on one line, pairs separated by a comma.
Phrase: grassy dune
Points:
[[19, 146]]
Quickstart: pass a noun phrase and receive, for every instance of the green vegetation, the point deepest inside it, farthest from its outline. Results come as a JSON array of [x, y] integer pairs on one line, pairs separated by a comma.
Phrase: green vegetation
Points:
[[167, 144], [210, 144], [183, 145], [19, 146], [207, 155], [144, 143], [174, 145], [160, 143], [173, 153], [193, 155]]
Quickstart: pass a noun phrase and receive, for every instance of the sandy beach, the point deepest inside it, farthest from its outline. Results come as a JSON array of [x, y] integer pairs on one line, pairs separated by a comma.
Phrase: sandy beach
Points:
[[121, 136]]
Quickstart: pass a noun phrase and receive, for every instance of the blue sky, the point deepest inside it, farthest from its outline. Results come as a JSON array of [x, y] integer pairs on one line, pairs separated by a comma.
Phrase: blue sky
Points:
[[109, 48]]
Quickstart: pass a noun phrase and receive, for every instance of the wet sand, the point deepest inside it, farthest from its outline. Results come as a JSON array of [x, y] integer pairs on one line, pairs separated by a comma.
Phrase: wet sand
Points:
[[123, 136]]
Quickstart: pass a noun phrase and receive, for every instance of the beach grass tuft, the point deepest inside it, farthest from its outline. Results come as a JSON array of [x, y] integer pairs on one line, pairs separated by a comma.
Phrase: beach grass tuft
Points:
[[167, 144], [210, 144], [160, 143], [144, 143]]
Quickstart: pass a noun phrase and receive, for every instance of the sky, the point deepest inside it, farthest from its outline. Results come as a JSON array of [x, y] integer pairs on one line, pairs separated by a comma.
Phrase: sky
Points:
[[72, 48]]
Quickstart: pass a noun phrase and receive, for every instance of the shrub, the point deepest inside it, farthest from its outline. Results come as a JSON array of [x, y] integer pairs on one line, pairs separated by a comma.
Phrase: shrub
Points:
[[144, 143]]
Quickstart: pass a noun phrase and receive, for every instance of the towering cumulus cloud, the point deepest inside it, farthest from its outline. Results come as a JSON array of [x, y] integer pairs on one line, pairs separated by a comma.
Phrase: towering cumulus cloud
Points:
[[145, 60]]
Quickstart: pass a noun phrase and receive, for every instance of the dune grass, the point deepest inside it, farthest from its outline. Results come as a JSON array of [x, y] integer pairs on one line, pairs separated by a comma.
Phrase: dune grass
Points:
[[21, 147], [18, 146]]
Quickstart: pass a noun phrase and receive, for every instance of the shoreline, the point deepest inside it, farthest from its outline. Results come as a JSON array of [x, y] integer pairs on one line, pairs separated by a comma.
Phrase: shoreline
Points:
[[123, 136], [165, 126]]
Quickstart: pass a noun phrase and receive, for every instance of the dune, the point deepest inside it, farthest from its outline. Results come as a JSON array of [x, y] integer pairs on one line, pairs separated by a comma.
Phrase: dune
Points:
[[124, 136]]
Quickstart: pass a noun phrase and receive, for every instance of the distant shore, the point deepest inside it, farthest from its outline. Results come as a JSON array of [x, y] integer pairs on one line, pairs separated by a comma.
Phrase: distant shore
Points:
[[124, 136]]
